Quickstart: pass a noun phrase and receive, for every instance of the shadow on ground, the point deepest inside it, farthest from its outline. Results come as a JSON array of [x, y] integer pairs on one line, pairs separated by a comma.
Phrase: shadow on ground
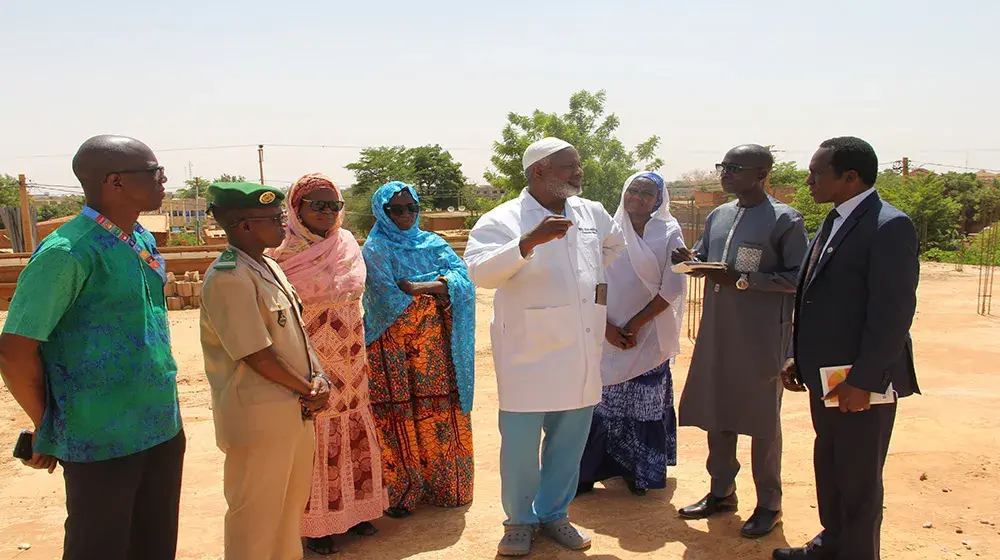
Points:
[[650, 523], [429, 529]]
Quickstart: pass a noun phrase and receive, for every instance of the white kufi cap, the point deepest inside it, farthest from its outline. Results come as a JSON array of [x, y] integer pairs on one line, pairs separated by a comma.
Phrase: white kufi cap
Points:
[[543, 149]]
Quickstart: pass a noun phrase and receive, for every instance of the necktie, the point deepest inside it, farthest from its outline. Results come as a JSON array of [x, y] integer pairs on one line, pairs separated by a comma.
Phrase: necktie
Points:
[[824, 236]]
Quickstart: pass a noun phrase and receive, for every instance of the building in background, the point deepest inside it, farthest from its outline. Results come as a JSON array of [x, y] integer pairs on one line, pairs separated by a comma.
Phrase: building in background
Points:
[[184, 214], [489, 192], [158, 225], [214, 235]]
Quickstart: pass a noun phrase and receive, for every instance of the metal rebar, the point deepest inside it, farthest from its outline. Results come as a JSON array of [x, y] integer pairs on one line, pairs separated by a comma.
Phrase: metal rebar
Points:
[[988, 239]]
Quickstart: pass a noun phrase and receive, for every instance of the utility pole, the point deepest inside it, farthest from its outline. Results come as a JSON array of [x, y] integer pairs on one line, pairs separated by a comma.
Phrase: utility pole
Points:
[[260, 160], [197, 214], [197, 207], [29, 241], [906, 168]]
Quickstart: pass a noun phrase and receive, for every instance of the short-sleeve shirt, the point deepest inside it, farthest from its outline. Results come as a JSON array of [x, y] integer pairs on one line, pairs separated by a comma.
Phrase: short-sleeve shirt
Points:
[[101, 317], [245, 309]]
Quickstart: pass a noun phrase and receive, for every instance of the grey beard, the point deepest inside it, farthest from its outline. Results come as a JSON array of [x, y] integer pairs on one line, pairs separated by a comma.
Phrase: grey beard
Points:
[[564, 190]]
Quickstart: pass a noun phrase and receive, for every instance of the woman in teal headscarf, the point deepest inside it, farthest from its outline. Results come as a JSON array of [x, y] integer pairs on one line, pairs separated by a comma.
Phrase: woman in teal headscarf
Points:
[[420, 331]]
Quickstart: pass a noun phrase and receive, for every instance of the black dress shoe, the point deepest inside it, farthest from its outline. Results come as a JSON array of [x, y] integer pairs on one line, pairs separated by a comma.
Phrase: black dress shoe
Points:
[[761, 523], [810, 551], [709, 505]]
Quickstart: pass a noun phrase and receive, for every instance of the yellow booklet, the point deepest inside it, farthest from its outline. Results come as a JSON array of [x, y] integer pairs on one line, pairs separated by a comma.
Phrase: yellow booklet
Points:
[[833, 376]]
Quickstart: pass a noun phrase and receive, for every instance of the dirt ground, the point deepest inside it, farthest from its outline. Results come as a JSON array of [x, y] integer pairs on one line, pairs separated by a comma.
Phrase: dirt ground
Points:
[[950, 434]]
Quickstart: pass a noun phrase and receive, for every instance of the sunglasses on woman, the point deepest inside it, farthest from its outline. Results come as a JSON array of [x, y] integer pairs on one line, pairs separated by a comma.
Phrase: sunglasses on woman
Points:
[[322, 205], [400, 209]]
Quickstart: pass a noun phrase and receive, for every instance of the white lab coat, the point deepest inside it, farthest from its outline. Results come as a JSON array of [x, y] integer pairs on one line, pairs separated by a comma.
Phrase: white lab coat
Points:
[[547, 330]]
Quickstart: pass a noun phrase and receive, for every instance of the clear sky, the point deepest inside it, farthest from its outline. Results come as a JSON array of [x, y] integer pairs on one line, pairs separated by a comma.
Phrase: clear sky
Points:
[[915, 78]]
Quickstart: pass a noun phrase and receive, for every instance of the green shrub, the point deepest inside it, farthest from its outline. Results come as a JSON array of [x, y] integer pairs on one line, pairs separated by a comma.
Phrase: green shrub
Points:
[[182, 239]]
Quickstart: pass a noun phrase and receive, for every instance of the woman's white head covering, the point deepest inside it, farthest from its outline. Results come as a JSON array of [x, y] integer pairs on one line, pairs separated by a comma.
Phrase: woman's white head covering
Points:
[[644, 261]]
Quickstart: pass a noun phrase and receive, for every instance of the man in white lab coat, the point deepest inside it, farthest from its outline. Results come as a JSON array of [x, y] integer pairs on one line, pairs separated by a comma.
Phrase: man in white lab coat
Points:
[[545, 254]]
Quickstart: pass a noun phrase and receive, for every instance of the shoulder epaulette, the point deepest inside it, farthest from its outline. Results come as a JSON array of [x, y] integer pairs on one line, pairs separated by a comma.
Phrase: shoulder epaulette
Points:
[[226, 260]]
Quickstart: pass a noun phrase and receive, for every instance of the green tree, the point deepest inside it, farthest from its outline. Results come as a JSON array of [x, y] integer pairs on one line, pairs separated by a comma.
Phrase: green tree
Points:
[[195, 185], [923, 199], [435, 174], [978, 197], [227, 178], [68, 206], [10, 194], [812, 213], [988, 204], [378, 166], [936, 216], [438, 177], [606, 160], [788, 174]]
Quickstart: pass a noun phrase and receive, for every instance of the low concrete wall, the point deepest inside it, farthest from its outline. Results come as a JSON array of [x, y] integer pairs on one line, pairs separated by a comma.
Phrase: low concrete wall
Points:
[[179, 260]]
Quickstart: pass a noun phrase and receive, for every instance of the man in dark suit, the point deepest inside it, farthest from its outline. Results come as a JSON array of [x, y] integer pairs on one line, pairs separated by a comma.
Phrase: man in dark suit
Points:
[[854, 306]]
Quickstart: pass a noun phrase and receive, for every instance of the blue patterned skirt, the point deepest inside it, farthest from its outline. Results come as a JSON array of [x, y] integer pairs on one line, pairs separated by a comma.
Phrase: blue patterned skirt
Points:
[[634, 432]]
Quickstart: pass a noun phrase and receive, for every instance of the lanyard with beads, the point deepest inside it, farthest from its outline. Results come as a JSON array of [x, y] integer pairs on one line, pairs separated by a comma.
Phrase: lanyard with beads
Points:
[[154, 260]]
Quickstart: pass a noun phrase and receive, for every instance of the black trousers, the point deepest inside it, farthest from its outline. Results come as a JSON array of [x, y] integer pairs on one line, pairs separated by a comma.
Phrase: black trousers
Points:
[[848, 456], [125, 508]]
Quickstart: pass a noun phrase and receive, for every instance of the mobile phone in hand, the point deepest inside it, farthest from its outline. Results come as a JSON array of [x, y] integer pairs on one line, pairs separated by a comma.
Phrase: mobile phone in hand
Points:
[[23, 449]]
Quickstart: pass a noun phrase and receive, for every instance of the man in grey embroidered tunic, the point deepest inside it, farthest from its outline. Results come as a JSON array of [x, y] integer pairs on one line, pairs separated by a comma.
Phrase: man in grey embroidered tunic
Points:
[[732, 385]]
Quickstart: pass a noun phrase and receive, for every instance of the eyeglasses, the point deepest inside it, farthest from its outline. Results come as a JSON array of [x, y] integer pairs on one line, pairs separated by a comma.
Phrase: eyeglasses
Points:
[[731, 168], [158, 173], [321, 205], [400, 209], [278, 220], [647, 194]]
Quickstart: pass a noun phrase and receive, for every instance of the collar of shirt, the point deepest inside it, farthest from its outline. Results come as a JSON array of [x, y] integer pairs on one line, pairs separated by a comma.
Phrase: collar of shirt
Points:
[[261, 269], [851, 204], [528, 202]]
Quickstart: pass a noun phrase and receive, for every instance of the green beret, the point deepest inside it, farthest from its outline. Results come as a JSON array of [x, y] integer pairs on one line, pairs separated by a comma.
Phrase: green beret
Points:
[[244, 195]]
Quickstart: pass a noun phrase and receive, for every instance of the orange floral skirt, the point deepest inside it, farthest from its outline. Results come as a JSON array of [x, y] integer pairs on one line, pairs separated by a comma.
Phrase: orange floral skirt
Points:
[[426, 439]]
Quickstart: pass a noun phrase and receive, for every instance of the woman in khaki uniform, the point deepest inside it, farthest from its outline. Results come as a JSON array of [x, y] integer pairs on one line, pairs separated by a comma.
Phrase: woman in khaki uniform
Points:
[[265, 381]]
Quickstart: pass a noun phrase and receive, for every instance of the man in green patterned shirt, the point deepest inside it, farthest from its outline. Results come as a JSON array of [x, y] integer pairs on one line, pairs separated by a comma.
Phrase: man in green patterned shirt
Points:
[[86, 353]]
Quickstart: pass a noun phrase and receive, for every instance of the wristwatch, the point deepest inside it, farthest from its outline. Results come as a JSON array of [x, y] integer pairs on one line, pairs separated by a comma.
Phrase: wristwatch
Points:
[[742, 283], [326, 379]]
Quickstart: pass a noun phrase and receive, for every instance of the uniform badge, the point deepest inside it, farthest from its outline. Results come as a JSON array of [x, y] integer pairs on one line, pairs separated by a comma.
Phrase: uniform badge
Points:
[[226, 260], [266, 197], [282, 318]]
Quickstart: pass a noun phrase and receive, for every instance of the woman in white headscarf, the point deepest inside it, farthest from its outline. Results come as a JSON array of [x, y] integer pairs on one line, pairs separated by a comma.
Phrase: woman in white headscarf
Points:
[[634, 431]]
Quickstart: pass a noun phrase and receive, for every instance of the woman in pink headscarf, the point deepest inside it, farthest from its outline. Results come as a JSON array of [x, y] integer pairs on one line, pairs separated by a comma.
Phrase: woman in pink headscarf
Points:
[[324, 263]]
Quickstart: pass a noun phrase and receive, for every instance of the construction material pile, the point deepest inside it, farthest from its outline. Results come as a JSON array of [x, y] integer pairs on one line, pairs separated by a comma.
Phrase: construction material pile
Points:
[[183, 294]]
